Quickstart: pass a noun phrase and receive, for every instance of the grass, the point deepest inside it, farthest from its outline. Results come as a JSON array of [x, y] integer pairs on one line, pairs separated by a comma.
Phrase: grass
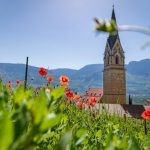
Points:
[[41, 120]]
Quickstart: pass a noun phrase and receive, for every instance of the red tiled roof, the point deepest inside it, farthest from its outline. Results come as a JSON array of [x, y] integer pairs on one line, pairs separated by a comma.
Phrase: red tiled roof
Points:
[[134, 111], [93, 92]]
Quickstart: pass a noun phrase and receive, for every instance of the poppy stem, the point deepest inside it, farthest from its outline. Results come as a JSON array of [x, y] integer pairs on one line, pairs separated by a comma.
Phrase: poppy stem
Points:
[[145, 127], [26, 74]]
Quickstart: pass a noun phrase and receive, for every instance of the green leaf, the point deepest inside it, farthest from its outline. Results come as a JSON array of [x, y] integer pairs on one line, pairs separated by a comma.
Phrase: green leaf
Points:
[[39, 107], [80, 132], [65, 141], [98, 133], [104, 26], [22, 95], [81, 139], [57, 93], [116, 126], [50, 121], [6, 131], [133, 144]]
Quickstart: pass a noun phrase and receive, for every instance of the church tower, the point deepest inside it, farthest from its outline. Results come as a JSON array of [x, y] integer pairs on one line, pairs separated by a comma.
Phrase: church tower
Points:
[[114, 80]]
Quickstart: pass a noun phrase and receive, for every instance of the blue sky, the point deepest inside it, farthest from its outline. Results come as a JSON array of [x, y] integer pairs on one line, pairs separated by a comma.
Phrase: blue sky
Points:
[[60, 33]]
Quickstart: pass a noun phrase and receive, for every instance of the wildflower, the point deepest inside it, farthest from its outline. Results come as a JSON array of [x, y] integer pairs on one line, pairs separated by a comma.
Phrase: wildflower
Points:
[[50, 79], [80, 105], [146, 114], [93, 99], [38, 88], [48, 88], [77, 97], [64, 80], [9, 85], [32, 78], [91, 102], [69, 95], [42, 72], [18, 82]]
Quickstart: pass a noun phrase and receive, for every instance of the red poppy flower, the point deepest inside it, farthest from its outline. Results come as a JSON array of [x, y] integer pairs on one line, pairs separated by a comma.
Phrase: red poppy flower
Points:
[[83, 105], [38, 88], [93, 99], [32, 78], [50, 79], [80, 105], [18, 82], [48, 88], [42, 72], [9, 85], [9, 81], [146, 114], [91, 102], [64, 80], [69, 95], [77, 97]]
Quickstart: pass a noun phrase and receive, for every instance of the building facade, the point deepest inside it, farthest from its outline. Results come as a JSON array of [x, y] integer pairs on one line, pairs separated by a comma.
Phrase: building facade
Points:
[[114, 74]]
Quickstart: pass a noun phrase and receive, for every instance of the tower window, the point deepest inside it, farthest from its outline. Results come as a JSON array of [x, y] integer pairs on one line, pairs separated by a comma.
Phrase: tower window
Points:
[[117, 59]]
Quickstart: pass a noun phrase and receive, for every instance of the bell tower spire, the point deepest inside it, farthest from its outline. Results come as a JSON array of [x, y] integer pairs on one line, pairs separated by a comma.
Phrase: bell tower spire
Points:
[[113, 36], [113, 17], [114, 82]]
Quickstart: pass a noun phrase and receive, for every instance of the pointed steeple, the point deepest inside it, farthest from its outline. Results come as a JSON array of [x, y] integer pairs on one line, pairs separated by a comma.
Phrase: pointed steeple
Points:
[[113, 37], [113, 17], [114, 74]]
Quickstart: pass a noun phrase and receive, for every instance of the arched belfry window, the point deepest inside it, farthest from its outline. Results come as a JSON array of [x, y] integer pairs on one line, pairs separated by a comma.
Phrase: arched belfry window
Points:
[[117, 59]]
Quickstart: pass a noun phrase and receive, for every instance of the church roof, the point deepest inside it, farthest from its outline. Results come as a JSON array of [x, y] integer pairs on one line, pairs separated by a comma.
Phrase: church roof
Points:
[[113, 36], [133, 110], [93, 92]]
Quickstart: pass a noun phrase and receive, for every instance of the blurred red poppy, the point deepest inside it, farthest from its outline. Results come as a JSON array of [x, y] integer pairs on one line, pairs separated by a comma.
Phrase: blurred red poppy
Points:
[[9, 85], [48, 88], [32, 78], [77, 97], [92, 104], [38, 88], [18, 82], [146, 114], [69, 95], [42, 71], [80, 105], [64, 80], [93, 99], [50, 79]]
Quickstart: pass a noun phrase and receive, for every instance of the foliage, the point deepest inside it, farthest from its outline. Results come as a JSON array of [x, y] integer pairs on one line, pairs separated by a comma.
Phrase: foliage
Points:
[[43, 120]]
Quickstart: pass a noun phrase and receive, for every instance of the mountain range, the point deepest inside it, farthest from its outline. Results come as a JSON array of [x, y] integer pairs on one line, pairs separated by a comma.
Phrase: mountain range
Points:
[[137, 76]]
